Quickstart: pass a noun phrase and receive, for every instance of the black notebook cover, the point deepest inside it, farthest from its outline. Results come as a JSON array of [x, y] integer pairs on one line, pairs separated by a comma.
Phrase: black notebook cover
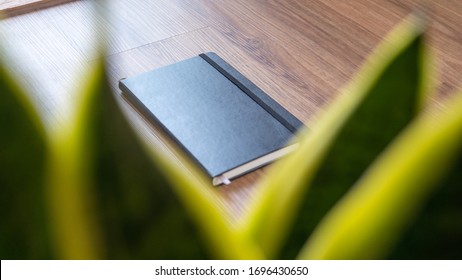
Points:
[[220, 118]]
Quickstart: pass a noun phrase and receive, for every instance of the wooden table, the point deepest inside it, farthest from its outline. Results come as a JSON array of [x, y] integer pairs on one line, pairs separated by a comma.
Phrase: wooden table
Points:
[[299, 52]]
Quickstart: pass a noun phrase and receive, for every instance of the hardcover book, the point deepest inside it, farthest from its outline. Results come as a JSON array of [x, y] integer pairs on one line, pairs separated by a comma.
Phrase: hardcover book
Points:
[[223, 121]]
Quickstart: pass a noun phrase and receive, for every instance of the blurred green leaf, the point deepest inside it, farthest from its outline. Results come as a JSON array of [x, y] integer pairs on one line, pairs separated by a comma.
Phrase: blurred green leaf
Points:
[[114, 198], [23, 152], [436, 233], [123, 206], [409, 197], [373, 109]]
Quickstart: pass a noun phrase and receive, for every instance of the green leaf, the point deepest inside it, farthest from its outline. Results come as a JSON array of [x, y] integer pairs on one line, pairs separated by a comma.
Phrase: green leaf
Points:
[[23, 152], [115, 197], [372, 110], [408, 204]]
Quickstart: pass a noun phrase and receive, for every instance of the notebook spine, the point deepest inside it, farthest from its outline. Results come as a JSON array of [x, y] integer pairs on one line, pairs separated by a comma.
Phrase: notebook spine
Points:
[[254, 92]]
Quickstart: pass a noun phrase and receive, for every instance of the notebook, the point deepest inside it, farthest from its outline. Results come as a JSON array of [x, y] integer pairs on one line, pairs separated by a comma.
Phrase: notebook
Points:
[[224, 122]]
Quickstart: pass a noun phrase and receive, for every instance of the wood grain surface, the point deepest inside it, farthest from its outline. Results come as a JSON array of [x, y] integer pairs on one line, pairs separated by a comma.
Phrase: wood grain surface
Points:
[[300, 52], [10, 8]]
